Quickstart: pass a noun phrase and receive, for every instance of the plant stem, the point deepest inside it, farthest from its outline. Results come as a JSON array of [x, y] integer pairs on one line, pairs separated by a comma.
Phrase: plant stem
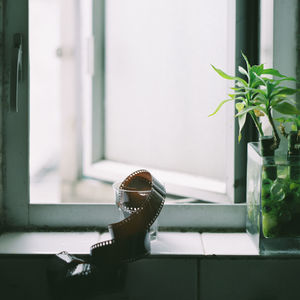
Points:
[[249, 97], [257, 124], [276, 136], [266, 151]]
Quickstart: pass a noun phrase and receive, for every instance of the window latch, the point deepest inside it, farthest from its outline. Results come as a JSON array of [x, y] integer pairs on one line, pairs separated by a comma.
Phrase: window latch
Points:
[[16, 71]]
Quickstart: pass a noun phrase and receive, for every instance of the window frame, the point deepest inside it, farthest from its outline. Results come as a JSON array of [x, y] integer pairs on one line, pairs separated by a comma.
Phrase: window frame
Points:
[[19, 212]]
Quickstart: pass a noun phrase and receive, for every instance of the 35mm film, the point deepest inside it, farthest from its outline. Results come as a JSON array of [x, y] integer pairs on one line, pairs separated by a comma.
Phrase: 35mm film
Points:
[[130, 237]]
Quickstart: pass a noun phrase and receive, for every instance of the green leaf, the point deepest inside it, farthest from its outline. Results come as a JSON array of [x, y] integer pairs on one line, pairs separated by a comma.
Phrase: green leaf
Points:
[[259, 100], [286, 108], [223, 74], [269, 88], [247, 62], [284, 91], [239, 106], [240, 98], [259, 96], [249, 109], [226, 76], [276, 101], [252, 78], [273, 72], [220, 105], [284, 79], [238, 94], [258, 69], [260, 80], [260, 91], [237, 89]]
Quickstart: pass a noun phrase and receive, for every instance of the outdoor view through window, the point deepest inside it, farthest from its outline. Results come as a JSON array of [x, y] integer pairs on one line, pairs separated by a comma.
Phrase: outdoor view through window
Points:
[[120, 85]]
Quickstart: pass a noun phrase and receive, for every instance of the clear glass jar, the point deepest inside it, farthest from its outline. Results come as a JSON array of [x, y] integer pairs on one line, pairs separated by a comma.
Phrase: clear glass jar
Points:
[[273, 201], [128, 201]]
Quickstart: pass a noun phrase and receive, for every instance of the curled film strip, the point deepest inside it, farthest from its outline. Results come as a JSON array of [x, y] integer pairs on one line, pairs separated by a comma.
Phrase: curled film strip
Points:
[[130, 237]]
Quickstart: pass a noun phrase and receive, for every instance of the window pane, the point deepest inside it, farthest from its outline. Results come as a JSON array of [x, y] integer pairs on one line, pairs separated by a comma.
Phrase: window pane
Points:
[[159, 91], [160, 87]]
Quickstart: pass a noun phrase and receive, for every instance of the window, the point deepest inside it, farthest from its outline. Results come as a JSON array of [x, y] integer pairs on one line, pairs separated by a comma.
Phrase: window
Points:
[[155, 108], [136, 94], [102, 136]]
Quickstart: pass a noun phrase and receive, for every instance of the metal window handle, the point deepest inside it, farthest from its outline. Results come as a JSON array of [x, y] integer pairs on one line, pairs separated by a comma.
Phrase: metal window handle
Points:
[[16, 72]]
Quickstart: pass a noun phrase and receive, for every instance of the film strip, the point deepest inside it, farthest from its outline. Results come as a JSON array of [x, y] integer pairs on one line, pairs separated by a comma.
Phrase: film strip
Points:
[[130, 237]]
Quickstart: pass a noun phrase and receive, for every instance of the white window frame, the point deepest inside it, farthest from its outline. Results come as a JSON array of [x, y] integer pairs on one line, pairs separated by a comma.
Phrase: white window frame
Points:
[[20, 212]]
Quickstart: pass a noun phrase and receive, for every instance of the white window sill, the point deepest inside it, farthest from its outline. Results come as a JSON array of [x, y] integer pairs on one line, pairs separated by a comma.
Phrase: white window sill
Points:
[[167, 243], [212, 216]]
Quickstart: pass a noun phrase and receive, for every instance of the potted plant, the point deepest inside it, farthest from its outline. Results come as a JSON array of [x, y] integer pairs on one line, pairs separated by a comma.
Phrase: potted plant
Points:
[[273, 176]]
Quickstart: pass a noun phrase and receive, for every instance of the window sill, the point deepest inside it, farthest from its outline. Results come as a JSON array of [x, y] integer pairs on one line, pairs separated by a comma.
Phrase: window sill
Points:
[[167, 244], [205, 216]]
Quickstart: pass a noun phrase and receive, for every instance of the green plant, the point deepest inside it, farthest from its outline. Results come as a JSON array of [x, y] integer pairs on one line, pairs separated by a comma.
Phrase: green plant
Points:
[[261, 92], [259, 95]]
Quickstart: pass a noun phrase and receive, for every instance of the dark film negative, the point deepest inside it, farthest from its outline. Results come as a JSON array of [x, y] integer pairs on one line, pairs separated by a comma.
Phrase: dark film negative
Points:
[[130, 241]]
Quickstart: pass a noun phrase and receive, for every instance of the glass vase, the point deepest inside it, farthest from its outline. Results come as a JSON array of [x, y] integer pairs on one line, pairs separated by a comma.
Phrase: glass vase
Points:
[[128, 201], [273, 201]]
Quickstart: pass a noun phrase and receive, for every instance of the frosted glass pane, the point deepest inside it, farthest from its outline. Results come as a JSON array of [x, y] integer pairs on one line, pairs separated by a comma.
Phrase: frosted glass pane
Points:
[[160, 87]]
